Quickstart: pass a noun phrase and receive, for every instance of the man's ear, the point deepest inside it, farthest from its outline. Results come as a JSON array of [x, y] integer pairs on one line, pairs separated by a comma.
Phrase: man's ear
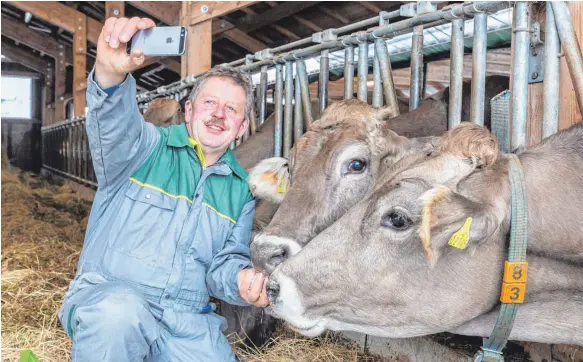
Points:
[[269, 179], [188, 105], [243, 128], [453, 223]]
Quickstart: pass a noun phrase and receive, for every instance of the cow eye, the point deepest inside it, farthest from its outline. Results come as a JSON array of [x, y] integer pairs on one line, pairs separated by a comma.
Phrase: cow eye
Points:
[[396, 220], [356, 166]]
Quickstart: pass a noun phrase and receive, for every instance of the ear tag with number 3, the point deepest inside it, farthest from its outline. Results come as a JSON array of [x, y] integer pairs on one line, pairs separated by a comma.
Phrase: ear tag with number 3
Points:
[[461, 237]]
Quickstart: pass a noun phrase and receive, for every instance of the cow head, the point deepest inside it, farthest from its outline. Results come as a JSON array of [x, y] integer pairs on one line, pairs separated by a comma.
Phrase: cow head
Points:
[[332, 167], [414, 257], [164, 112]]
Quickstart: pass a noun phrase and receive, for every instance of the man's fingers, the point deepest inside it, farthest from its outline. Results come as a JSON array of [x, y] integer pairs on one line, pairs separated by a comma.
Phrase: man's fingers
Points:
[[108, 28], [146, 23], [137, 57], [256, 287], [129, 30], [117, 29]]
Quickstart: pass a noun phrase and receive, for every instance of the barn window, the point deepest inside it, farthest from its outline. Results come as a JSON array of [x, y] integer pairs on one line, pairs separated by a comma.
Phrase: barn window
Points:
[[17, 97]]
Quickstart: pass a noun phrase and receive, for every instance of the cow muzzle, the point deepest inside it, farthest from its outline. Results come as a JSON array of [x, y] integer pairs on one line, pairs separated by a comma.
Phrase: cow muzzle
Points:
[[268, 252]]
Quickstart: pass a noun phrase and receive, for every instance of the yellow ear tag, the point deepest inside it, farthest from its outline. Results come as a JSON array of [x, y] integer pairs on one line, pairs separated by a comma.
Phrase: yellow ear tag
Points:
[[283, 186], [461, 237]]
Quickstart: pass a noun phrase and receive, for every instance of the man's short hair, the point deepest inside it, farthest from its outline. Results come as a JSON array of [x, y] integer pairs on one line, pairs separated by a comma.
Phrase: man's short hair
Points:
[[235, 75]]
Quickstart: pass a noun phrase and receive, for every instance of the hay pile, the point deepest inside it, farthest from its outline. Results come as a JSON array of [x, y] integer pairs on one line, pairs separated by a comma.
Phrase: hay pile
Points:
[[43, 227]]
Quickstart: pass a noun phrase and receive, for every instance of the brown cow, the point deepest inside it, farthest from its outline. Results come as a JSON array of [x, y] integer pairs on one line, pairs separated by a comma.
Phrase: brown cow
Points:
[[334, 165], [389, 267]]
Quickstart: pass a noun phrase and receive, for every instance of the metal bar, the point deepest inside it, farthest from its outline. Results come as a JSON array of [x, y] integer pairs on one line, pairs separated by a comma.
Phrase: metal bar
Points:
[[367, 22], [552, 75], [348, 72], [66, 174], [456, 73], [519, 95], [416, 79], [479, 69], [387, 76], [362, 71], [305, 90], [323, 80], [278, 98], [288, 111], [298, 115], [571, 47], [377, 88], [262, 95]]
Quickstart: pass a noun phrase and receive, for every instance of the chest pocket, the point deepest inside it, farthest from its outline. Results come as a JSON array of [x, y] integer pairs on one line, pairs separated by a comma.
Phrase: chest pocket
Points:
[[144, 224]]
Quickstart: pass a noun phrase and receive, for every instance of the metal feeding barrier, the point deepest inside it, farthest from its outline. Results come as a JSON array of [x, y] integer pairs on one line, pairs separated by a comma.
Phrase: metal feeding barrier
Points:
[[66, 151]]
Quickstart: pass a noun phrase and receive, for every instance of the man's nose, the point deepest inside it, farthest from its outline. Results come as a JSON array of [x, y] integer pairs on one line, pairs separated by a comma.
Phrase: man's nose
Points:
[[219, 112]]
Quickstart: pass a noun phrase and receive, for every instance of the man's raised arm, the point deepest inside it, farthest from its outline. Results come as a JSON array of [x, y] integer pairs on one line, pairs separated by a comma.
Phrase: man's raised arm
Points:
[[119, 138]]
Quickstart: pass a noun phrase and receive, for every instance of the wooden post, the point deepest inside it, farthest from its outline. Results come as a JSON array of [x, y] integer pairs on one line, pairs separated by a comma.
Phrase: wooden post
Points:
[[60, 84], [198, 54], [534, 126], [80, 66], [569, 112], [114, 9]]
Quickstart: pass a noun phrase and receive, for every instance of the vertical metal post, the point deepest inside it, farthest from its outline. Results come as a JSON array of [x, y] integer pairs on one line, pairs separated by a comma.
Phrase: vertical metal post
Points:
[[348, 72], [288, 111], [278, 95], [305, 90], [252, 115], [479, 69], [362, 71], [564, 24], [519, 95], [387, 75], [552, 75], [323, 80], [456, 73], [298, 115], [262, 95], [377, 88], [416, 79]]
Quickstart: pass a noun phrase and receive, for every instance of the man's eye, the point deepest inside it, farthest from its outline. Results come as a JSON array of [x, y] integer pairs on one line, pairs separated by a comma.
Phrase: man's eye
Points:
[[231, 109], [209, 102]]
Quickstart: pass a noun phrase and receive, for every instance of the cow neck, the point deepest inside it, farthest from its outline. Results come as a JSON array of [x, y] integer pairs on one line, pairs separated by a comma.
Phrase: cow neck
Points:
[[515, 268]]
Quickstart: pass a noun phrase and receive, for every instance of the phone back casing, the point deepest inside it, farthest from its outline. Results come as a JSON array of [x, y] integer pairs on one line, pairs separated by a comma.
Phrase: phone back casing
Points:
[[160, 41]]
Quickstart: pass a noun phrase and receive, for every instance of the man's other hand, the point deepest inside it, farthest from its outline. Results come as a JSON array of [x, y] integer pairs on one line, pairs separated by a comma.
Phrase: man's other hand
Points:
[[252, 287], [112, 62]]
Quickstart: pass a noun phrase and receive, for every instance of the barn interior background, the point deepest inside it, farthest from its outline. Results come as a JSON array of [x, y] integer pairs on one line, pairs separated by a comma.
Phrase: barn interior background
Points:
[[296, 53]]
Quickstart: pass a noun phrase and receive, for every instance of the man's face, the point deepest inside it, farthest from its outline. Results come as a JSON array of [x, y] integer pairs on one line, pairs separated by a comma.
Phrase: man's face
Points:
[[217, 116]]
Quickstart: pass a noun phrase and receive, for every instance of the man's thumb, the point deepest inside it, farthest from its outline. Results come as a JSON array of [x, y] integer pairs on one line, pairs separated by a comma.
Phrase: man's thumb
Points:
[[137, 57]]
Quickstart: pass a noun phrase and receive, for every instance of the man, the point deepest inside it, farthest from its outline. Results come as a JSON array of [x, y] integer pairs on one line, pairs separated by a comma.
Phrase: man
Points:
[[171, 220]]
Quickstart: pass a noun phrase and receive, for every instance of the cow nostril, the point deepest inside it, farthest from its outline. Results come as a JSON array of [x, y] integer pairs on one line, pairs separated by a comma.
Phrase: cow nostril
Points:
[[277, 258], [272, 290]]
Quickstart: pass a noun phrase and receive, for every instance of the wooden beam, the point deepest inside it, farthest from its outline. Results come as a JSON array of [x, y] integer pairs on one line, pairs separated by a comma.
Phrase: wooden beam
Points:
[[60, 84], [114, 9], [206, 10], [336, 15], [166, 11], [285, 32], [80, 59], [307, 23], [569, 112], [198, 55], [21, 56], [171, 64], [369, 6], [18, 31], [240, 38], [284, 10]]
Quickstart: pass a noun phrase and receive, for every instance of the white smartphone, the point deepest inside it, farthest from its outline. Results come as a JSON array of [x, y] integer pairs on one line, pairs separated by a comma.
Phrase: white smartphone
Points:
[[159, 41]]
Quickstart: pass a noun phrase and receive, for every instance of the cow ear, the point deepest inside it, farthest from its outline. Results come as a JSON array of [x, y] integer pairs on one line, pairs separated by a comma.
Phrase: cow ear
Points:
[[452, 223], [269, 179]]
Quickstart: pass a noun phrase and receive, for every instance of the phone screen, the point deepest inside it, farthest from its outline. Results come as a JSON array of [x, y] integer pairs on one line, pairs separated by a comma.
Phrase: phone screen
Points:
[[160, 41]]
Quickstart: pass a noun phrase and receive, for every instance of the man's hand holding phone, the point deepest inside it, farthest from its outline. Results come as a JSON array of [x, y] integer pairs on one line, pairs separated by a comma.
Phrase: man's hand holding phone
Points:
[[112, 62]]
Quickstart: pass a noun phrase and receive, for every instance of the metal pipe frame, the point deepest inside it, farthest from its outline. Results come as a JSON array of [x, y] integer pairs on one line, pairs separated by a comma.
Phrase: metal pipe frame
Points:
[[278, 95], [349, 72], [387, 76], [323, 80], [262, 95], [288, 111], [479, 52], [571, 48], [552, 75], [377, 88], [519, 95], [302, 73], [298, 111], [456, 73], [416, 78], [362, 93]]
